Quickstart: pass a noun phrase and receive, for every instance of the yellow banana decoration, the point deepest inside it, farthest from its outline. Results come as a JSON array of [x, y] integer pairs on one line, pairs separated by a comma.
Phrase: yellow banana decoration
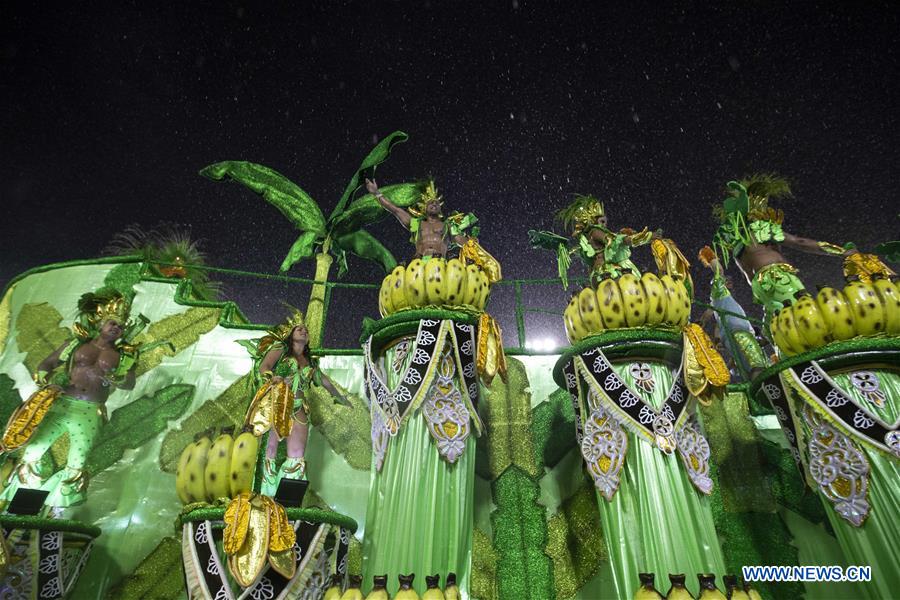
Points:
[[181, 474], [779, 336], [281, 540], [237, 523], [634, 299], [434, 280], [455, 282], [379, 589], [484, 290], [890, 301], [656, 298], [569, 316], [589, 311], [384, 297], [837, 313], [248, 561], [611, 306], [792, 336], [868, 313], [218, 467], [810, 322], [714, 368], [398, 292], [334, 590], [243, 463], [353, 592], [472, 281], [195, 470], [414, 280], [678, 306]]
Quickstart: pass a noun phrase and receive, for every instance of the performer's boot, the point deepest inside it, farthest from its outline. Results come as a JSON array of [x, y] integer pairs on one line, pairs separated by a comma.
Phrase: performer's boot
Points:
[[294, 468], [271, 477]]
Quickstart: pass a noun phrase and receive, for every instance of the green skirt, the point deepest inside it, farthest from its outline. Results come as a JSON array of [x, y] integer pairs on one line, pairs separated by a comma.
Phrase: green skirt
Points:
[[657, 521]]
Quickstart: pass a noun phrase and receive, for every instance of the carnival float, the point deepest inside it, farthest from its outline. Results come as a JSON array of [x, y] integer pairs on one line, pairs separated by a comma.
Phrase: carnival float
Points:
[[159, 444]]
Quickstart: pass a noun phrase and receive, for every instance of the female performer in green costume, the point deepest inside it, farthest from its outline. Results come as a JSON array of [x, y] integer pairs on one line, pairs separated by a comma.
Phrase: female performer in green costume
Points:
[[651, 488], [285, 373], [73, 401]]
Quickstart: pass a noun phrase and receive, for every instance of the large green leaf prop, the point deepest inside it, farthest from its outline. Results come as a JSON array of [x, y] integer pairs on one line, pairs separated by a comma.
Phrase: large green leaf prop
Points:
[[553, 428], [366, 210], [181, 330], [507, 416], [9, 397], [575, 541], [137, 423], [347, 428], [520, 535], [484, 567], [38, 333], [376, 156], [226, 409], [364, 245], [282, 193]]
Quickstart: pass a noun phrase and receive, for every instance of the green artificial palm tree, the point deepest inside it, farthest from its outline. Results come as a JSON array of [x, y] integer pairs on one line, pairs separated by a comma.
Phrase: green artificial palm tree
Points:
[[340, 234]]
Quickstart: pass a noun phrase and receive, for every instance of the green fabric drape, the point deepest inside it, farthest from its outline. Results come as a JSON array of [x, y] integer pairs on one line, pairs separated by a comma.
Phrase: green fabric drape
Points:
[[876, 542], [420, 509], [657, 521]]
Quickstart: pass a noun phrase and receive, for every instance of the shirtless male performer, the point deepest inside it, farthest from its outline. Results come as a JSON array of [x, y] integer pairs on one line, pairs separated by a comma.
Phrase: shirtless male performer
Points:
[[72, 401]]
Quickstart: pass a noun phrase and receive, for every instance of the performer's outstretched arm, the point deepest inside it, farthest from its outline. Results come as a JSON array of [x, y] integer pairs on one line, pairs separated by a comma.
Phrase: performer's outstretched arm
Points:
[[402, 215], [50, 363], [813, 247]]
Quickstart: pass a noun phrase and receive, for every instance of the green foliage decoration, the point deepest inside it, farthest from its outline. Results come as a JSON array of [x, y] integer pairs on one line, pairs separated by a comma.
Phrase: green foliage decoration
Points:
[[347, 428], [520, 535], [10, 398], [138, 422], [181, 330], [483, 580], [38, 333], [507, 416], [158, 577], [553, 429], [575, 541], [123, 278]]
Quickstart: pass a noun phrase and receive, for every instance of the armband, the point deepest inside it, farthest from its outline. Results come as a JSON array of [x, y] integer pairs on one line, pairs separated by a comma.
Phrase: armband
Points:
[[40, 378], [831, 248]]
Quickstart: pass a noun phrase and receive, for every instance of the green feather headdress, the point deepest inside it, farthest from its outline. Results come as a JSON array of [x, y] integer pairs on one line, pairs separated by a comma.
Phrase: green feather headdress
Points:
[[580, 213]]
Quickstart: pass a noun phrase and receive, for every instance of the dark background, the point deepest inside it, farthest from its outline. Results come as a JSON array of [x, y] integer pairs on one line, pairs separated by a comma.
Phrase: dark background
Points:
[[107, 114]]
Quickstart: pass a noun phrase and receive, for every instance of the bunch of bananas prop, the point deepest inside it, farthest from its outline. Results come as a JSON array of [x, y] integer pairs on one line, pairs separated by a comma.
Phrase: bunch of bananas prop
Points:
[[257, 531], [629, 301], [221, 468], [860, 309], [435, 282], [708, 589]]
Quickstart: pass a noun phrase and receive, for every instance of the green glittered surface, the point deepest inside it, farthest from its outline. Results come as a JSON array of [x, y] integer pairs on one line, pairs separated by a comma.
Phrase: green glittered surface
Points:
[[407, 321], [347, 428], [156, 577], [484, 567], [136, 423], [520, 536], [553, 429], [30, 522], [575, 541], [38, 333], [312, 515], [506, 412], [181, 330], [641, 341]]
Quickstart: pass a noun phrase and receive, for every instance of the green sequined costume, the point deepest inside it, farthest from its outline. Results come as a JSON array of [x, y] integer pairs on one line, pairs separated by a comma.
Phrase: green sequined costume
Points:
[[82, 420]]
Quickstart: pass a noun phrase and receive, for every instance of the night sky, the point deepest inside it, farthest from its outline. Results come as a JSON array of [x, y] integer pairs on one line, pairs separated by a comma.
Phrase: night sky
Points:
[[108, 114]]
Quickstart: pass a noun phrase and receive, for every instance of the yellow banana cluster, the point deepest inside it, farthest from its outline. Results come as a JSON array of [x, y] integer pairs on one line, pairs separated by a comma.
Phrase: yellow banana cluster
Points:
[[211, 469], [257, 531], [629, 301], [435, 282], [860, 309]]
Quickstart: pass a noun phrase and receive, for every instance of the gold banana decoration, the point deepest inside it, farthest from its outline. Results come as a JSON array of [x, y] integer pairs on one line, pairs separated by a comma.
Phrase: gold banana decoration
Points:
[[698, 347], [257, 531]]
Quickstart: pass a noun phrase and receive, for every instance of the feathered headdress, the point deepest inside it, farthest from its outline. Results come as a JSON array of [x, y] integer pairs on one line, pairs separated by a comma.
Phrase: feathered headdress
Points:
[[95, 308], [580, 214], [425, 198]]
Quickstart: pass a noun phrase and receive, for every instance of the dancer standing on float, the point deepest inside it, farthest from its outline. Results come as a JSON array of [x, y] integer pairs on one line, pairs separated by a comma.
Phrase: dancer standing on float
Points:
[[423, 390], [285, 371], [638, 430], [97, 361], [839, 410]]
